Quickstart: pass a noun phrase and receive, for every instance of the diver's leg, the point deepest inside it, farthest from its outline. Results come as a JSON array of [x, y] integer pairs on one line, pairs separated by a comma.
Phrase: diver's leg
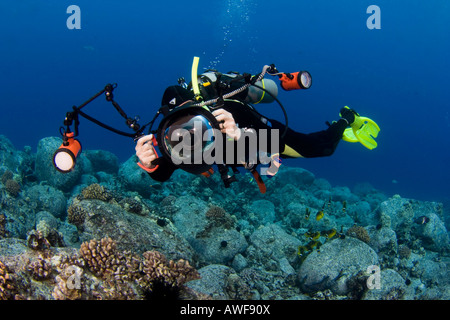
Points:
[[317, 144]]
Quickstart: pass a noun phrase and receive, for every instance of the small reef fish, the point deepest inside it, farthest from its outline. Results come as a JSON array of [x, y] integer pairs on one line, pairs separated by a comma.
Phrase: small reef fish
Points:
[[308, 248], [307, 213], [422, 220], [328, 233], [302, 250], [344, 206], [313, 244], [312, 235], [319, 215]]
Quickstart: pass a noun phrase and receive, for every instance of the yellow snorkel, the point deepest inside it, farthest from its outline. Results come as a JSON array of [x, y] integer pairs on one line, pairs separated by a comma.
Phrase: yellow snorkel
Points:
[[194, 80], [363, 130]]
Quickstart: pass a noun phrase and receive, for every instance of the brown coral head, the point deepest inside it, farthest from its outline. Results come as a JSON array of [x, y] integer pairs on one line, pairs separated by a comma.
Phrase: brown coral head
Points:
[[12, 187]]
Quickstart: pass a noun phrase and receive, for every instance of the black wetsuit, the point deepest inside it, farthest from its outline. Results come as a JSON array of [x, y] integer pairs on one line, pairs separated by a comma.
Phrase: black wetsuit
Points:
[[316, 144]]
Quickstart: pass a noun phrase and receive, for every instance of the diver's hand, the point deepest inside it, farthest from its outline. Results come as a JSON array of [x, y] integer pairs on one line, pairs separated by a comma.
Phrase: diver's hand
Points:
[[227, 124], [146, 152]]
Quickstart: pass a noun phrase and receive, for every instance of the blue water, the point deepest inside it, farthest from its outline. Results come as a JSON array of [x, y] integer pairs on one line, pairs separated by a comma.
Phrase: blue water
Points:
[[396, 75]]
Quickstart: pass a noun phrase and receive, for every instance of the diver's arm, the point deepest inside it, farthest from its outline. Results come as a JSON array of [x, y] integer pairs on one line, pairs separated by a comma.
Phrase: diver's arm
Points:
[[164, 170]]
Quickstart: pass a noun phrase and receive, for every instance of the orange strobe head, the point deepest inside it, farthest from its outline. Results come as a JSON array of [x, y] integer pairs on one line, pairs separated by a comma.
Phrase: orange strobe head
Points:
[[296, 80], [65, 157]]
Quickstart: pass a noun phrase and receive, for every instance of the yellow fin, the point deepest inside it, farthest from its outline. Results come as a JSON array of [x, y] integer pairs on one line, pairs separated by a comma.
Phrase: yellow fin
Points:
[[363, 130]]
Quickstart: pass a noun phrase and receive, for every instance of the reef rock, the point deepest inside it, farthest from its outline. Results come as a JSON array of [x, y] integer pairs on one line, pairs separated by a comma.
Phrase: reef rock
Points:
[[404, 217], [210, 230], [391, 287], [103, 161], [49, 199], [98, 219], [134, 178], [272, 241], [220, 283], [338, 261], [8, 157], [263, 211], [298, 177], [434, 235]]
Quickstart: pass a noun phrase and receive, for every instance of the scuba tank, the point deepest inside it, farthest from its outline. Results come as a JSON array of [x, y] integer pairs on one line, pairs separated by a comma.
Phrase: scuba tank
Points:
[[232, 81]]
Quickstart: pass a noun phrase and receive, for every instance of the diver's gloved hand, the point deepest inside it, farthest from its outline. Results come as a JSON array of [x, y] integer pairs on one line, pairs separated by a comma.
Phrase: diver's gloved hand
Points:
[[227, 124], [146, 153], [348, 115]]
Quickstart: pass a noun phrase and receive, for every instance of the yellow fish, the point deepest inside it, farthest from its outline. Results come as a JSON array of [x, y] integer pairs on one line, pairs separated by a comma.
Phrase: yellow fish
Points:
[[313, 244], [302, 250], [307, 213], [329, 233], [319, 215], [312, 235]]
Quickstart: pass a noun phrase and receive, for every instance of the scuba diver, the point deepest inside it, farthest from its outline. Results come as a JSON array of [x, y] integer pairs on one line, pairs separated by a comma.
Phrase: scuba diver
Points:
[[212, 123], [236, 117]]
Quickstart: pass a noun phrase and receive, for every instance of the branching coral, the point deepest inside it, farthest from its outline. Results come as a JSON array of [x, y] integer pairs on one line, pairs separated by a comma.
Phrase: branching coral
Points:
[[96, 191], [8, 289], [134, 205], [69, 285], [7, 175], [98, 271], [359, 233], [101, 256], [40, 269], [165, 278], [217, 217], [13, 187], [404, 251], [76, 214], [3, 232]]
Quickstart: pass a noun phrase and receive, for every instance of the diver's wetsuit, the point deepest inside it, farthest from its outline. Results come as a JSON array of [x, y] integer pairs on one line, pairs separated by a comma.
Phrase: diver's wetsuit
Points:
[[316, 144]]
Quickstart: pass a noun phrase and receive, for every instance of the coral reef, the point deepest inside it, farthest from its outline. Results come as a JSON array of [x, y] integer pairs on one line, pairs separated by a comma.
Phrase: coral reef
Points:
[[108, 231], [97, 271]]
